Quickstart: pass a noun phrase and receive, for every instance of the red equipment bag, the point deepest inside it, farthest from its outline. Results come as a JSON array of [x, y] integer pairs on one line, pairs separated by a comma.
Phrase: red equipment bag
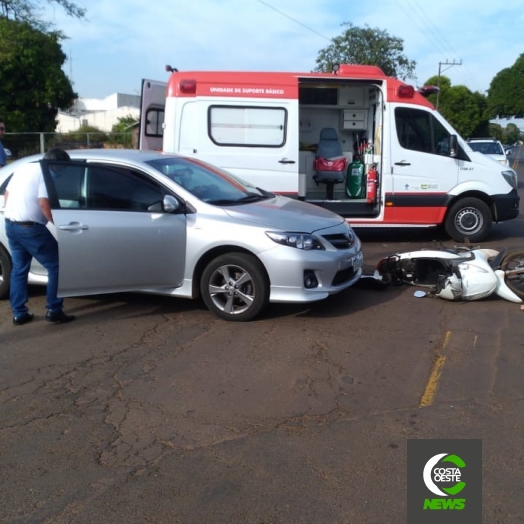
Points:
[[324, 164]]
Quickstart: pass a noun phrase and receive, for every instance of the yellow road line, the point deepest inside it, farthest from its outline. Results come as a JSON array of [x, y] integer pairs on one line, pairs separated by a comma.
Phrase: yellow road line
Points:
[[516, 160], [430, 390]]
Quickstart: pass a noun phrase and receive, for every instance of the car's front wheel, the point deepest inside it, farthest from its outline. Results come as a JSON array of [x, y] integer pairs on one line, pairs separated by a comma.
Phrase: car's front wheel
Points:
[[235, 287], [5, 273]]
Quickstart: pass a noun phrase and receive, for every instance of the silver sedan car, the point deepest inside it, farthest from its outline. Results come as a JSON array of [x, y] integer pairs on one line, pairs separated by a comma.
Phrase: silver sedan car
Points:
[[128, 220]]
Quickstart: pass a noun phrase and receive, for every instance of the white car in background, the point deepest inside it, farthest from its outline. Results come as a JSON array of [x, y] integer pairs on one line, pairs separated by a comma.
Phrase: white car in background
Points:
[[490, 147], [129, 220]]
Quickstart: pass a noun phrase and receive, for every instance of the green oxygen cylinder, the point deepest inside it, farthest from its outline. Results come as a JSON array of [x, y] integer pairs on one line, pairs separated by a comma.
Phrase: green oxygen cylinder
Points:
[[355, 179]]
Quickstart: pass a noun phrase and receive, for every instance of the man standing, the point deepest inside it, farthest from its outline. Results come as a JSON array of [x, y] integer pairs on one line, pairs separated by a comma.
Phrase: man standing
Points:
[[3, 156], [27, 211]]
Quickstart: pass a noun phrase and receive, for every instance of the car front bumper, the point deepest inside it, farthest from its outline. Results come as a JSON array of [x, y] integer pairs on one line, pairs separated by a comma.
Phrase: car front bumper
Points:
[[333, 270]]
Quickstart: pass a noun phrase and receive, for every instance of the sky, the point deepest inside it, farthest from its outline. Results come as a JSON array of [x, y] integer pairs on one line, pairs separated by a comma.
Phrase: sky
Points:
[[121, 42]]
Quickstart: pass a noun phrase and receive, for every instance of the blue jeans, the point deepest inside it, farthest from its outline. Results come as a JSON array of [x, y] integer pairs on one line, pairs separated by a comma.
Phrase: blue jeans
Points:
[[25, 243]]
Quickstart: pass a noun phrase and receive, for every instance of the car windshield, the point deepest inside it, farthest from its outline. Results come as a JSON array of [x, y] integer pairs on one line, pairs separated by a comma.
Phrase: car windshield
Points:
[[488, 148], [208, 183]]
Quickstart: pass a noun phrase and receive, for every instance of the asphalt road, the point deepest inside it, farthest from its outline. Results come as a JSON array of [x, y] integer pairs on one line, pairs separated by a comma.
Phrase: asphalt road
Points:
[[151, 410]]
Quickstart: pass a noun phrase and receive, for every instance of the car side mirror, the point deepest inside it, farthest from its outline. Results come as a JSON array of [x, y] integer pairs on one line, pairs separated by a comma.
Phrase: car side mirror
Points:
[[453, 146], [508, 151], [170, 204]]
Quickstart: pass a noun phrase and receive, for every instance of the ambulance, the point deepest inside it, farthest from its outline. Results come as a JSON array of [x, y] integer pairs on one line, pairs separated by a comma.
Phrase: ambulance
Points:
[[398, 162]]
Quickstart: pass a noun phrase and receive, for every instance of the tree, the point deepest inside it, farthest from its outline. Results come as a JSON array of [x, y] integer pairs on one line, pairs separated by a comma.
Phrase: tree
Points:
[[124, 124], [122, 131], [369, 46], [33, 84], [511, 134], [482, 126], [506, 92], [29, 11], [463, 109]]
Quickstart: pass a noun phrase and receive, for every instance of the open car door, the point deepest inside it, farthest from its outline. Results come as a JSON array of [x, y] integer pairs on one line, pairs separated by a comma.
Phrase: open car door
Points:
[[112, 232]]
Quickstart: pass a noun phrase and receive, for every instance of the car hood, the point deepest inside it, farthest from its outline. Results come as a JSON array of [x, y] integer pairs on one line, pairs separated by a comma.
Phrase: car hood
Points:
[[500, 159], [285, 214], [486, 160], [483, 159]]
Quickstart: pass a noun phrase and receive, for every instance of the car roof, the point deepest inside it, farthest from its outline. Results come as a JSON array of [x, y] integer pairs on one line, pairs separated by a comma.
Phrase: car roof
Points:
[[135, 155], [115, 155], [482, 140]]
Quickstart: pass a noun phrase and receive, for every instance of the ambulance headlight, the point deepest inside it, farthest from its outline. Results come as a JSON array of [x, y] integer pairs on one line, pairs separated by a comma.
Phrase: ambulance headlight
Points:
[[511, 178]]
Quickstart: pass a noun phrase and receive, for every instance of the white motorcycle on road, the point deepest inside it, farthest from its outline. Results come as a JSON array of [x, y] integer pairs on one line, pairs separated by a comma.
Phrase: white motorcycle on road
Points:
[[457, 274]]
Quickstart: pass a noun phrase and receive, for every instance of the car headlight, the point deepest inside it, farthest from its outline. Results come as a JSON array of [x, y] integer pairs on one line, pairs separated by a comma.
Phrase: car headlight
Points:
[[304, 241], [511, 178]]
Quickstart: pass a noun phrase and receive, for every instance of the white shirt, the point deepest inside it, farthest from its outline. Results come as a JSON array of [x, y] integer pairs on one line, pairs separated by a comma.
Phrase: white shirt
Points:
[[25, 188]]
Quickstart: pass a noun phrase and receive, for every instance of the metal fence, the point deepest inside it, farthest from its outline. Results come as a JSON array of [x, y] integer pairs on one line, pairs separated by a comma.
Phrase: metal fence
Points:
[[24, 144]]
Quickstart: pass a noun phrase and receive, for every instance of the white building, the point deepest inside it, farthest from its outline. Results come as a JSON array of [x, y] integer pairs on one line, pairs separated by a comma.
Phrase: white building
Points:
[[100, 113]]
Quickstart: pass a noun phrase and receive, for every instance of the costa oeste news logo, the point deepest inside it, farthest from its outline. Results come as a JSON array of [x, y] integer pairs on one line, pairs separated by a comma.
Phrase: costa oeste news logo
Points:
[[433, 476], [445, 481]]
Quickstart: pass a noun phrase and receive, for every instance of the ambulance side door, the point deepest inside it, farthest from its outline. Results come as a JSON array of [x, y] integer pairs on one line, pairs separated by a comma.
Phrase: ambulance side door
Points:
[[152, 109]]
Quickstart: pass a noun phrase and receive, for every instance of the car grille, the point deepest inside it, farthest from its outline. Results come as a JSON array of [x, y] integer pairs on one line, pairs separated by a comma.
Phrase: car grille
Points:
[[340, 241], [343, 276]]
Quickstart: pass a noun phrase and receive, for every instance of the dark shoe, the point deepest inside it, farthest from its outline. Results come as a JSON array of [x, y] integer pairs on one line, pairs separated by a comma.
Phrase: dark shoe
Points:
[[23, 319], [58, 317]]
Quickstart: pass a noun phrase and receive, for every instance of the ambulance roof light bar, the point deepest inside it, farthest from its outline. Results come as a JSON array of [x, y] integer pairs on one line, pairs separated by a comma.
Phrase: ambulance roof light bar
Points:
[[405, 91], [188, 86]]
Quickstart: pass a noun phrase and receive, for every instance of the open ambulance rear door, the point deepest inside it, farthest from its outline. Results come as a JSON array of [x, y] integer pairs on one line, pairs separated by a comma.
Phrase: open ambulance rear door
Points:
[[153, 101]]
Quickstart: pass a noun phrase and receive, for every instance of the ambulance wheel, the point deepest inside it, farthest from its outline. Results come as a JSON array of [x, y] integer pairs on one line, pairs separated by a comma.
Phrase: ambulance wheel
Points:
[[235, 287], [5, 273], [468, 219]]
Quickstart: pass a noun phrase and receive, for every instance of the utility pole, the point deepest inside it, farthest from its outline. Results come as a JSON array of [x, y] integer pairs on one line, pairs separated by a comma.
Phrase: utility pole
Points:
[[449, 64]]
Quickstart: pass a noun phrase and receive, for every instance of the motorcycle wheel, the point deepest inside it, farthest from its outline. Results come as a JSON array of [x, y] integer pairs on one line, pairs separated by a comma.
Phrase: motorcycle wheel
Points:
[[514, 260]]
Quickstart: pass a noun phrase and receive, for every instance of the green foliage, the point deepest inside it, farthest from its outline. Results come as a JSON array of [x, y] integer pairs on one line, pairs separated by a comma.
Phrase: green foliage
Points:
[[443, 82], [510, 134], [463, 109], [482, 125], [506, 92], [368, 46], [29, 11], [33, 84], [495, 131], [86, 135], [124, 124], [122, 133], [507, 135]]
